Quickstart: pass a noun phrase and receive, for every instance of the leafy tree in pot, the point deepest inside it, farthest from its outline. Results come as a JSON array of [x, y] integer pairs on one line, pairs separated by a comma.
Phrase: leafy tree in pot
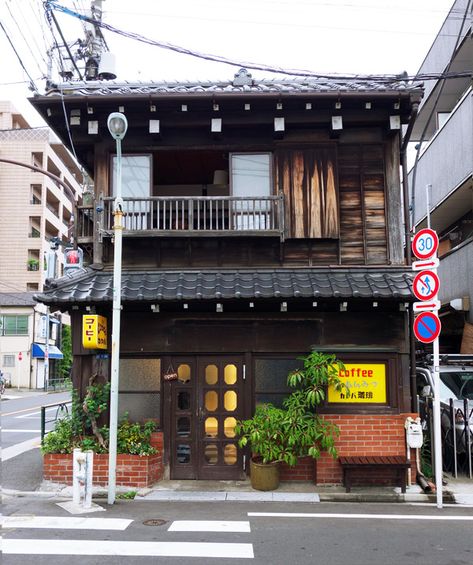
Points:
[[284, 434]]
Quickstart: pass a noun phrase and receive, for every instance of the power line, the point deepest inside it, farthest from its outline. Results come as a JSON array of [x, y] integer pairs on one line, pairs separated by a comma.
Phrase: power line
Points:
[[247, 64], [32, 83], [24, 39]]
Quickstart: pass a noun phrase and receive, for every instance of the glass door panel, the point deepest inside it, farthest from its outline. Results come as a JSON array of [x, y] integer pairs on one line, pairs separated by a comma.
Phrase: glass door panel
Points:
[[205, 404]]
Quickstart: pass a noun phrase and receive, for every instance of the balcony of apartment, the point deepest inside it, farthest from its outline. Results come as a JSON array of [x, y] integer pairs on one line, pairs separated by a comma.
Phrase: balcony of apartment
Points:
[[447, 162], [52, 228], [35, 194], [33, 262], [61, 164], [34, 229], [456, 271]]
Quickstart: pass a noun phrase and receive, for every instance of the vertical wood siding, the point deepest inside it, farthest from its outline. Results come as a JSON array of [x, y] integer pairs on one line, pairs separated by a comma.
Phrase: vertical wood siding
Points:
[[307, 179], [363, 238]]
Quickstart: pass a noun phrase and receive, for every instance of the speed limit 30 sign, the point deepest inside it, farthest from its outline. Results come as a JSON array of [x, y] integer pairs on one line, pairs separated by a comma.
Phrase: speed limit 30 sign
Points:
[[425, 243]]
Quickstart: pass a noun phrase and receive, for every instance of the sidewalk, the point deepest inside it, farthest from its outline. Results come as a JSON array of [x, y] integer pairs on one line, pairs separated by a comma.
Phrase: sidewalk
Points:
[[22, 476]]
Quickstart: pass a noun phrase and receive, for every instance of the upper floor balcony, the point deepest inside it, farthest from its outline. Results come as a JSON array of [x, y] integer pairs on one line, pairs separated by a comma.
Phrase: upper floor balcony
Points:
[[187, 216]]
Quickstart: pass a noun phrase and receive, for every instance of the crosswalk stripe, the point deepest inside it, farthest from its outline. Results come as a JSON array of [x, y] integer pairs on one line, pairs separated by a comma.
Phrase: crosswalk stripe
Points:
[[14, 450], [127, 548], [359, 516], [64, 523], [209, 526], [19, 430]]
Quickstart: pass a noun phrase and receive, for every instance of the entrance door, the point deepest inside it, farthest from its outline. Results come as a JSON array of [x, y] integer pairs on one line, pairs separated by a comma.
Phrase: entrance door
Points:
[[206, 401]]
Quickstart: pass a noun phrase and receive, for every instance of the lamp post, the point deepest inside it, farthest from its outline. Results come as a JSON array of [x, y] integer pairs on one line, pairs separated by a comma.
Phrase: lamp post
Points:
[[117, 126]]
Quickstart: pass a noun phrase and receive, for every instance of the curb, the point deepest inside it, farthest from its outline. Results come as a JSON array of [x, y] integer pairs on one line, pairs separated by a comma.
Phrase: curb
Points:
[[232, 496]]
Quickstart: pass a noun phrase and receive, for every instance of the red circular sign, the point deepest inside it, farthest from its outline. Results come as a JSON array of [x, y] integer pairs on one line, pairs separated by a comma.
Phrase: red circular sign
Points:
[[426, 285], [425, 243], [427, 327]]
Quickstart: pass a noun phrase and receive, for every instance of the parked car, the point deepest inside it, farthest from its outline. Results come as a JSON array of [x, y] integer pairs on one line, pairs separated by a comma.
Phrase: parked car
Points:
[[456, 383]]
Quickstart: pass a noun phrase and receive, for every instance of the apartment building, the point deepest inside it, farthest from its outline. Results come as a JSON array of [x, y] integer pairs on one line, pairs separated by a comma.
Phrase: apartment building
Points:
[[442, 181], [34, 207]]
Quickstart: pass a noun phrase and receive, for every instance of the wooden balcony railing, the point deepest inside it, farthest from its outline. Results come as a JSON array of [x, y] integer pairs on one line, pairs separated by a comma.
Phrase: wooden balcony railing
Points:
[[187, 216]]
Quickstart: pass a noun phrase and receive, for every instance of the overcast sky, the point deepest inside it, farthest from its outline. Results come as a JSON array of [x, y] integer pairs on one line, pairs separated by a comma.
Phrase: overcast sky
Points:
[[326, 36]]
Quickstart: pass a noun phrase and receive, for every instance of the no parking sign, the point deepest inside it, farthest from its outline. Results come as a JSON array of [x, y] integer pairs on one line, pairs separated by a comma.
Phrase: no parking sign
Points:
[[427, 327]]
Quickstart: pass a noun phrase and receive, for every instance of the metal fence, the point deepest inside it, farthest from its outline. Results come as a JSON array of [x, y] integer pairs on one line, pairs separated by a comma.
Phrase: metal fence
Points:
[[62, 410], [457, 435]]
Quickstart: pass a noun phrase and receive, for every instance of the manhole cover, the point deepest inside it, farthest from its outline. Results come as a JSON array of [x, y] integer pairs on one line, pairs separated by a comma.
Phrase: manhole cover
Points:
[[154, 522]]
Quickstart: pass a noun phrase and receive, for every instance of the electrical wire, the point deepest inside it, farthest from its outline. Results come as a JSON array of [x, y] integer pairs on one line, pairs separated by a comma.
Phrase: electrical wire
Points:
[[31, 35], [253, 66], [32, 86]]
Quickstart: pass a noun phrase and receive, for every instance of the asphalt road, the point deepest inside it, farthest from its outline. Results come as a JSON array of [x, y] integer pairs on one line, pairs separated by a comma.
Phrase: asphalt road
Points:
[[21, 416], [333, 534]]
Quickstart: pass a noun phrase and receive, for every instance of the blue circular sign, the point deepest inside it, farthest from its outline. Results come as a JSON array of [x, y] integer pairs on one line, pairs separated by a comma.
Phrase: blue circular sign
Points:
[[427, 327]]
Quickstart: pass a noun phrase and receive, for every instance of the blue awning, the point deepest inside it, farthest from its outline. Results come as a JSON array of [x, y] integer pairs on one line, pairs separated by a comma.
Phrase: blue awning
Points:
[[40, 348]]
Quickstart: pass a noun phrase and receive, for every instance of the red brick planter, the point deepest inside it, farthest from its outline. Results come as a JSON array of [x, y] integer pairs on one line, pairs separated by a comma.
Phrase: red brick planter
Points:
[[360, 434], [132, 470], [303, 471]]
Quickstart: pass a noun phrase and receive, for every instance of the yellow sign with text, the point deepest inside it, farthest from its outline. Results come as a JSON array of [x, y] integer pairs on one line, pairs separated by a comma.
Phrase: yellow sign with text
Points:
[[94, 331], [366, 384]]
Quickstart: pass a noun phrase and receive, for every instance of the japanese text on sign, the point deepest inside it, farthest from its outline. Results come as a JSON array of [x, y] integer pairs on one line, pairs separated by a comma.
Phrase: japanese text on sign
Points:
[[94, 331], [366, 383]]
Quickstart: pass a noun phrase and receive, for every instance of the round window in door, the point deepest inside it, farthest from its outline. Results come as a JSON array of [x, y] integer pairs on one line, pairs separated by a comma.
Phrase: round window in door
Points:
[[184, 373], [230, 374]]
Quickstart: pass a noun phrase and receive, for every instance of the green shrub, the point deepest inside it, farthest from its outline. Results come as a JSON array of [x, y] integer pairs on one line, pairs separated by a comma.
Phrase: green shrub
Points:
[[80, 429]]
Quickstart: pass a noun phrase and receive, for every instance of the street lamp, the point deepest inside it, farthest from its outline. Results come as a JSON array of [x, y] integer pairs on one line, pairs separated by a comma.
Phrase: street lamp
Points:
[[117, 126]]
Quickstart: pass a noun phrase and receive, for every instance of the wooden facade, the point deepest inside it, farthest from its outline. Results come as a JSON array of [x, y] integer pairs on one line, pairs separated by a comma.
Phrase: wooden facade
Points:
[[329, 201]]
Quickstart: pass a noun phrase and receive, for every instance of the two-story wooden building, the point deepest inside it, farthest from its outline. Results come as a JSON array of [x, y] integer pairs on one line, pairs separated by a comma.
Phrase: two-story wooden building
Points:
[[264, 218]]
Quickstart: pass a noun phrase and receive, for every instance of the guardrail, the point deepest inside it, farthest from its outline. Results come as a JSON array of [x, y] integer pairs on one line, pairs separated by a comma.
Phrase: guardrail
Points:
[[62, 410]]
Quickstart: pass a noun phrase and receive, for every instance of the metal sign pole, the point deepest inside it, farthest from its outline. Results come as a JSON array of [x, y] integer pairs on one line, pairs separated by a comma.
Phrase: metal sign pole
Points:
[[437, 427], [436, 406]]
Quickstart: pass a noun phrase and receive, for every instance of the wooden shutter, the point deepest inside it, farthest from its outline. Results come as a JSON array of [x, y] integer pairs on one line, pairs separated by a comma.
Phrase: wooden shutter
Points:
[[307, 178]]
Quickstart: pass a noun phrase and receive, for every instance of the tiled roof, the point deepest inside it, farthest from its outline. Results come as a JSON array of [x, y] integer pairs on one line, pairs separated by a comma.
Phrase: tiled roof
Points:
[[17, 299], [96, 286], [241, 83]]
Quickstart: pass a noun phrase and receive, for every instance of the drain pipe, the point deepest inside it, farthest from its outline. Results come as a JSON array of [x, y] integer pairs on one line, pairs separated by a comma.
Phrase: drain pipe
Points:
[[408, 255]]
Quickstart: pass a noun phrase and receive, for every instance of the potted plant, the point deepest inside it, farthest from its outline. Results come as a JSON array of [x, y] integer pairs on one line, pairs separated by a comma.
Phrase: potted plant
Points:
[[264, 433], [285, 434], [33, 264]]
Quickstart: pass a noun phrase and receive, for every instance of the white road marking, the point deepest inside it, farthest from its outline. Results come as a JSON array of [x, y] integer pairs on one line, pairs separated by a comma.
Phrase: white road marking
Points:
[[65, 523], [360, 516], [14, 450], [209, 526], [11, 431], [127, 548]]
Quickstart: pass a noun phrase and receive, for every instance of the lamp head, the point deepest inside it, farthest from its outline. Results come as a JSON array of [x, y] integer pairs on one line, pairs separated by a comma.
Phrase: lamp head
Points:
[[117, 125]]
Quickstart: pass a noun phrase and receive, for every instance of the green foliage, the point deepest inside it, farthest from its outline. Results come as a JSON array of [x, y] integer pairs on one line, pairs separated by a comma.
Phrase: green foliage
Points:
[[284, 434], [61, 440], [65, 363], [134, 438], [129, 495], [264, 432], [319, 372], [79, 429]]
